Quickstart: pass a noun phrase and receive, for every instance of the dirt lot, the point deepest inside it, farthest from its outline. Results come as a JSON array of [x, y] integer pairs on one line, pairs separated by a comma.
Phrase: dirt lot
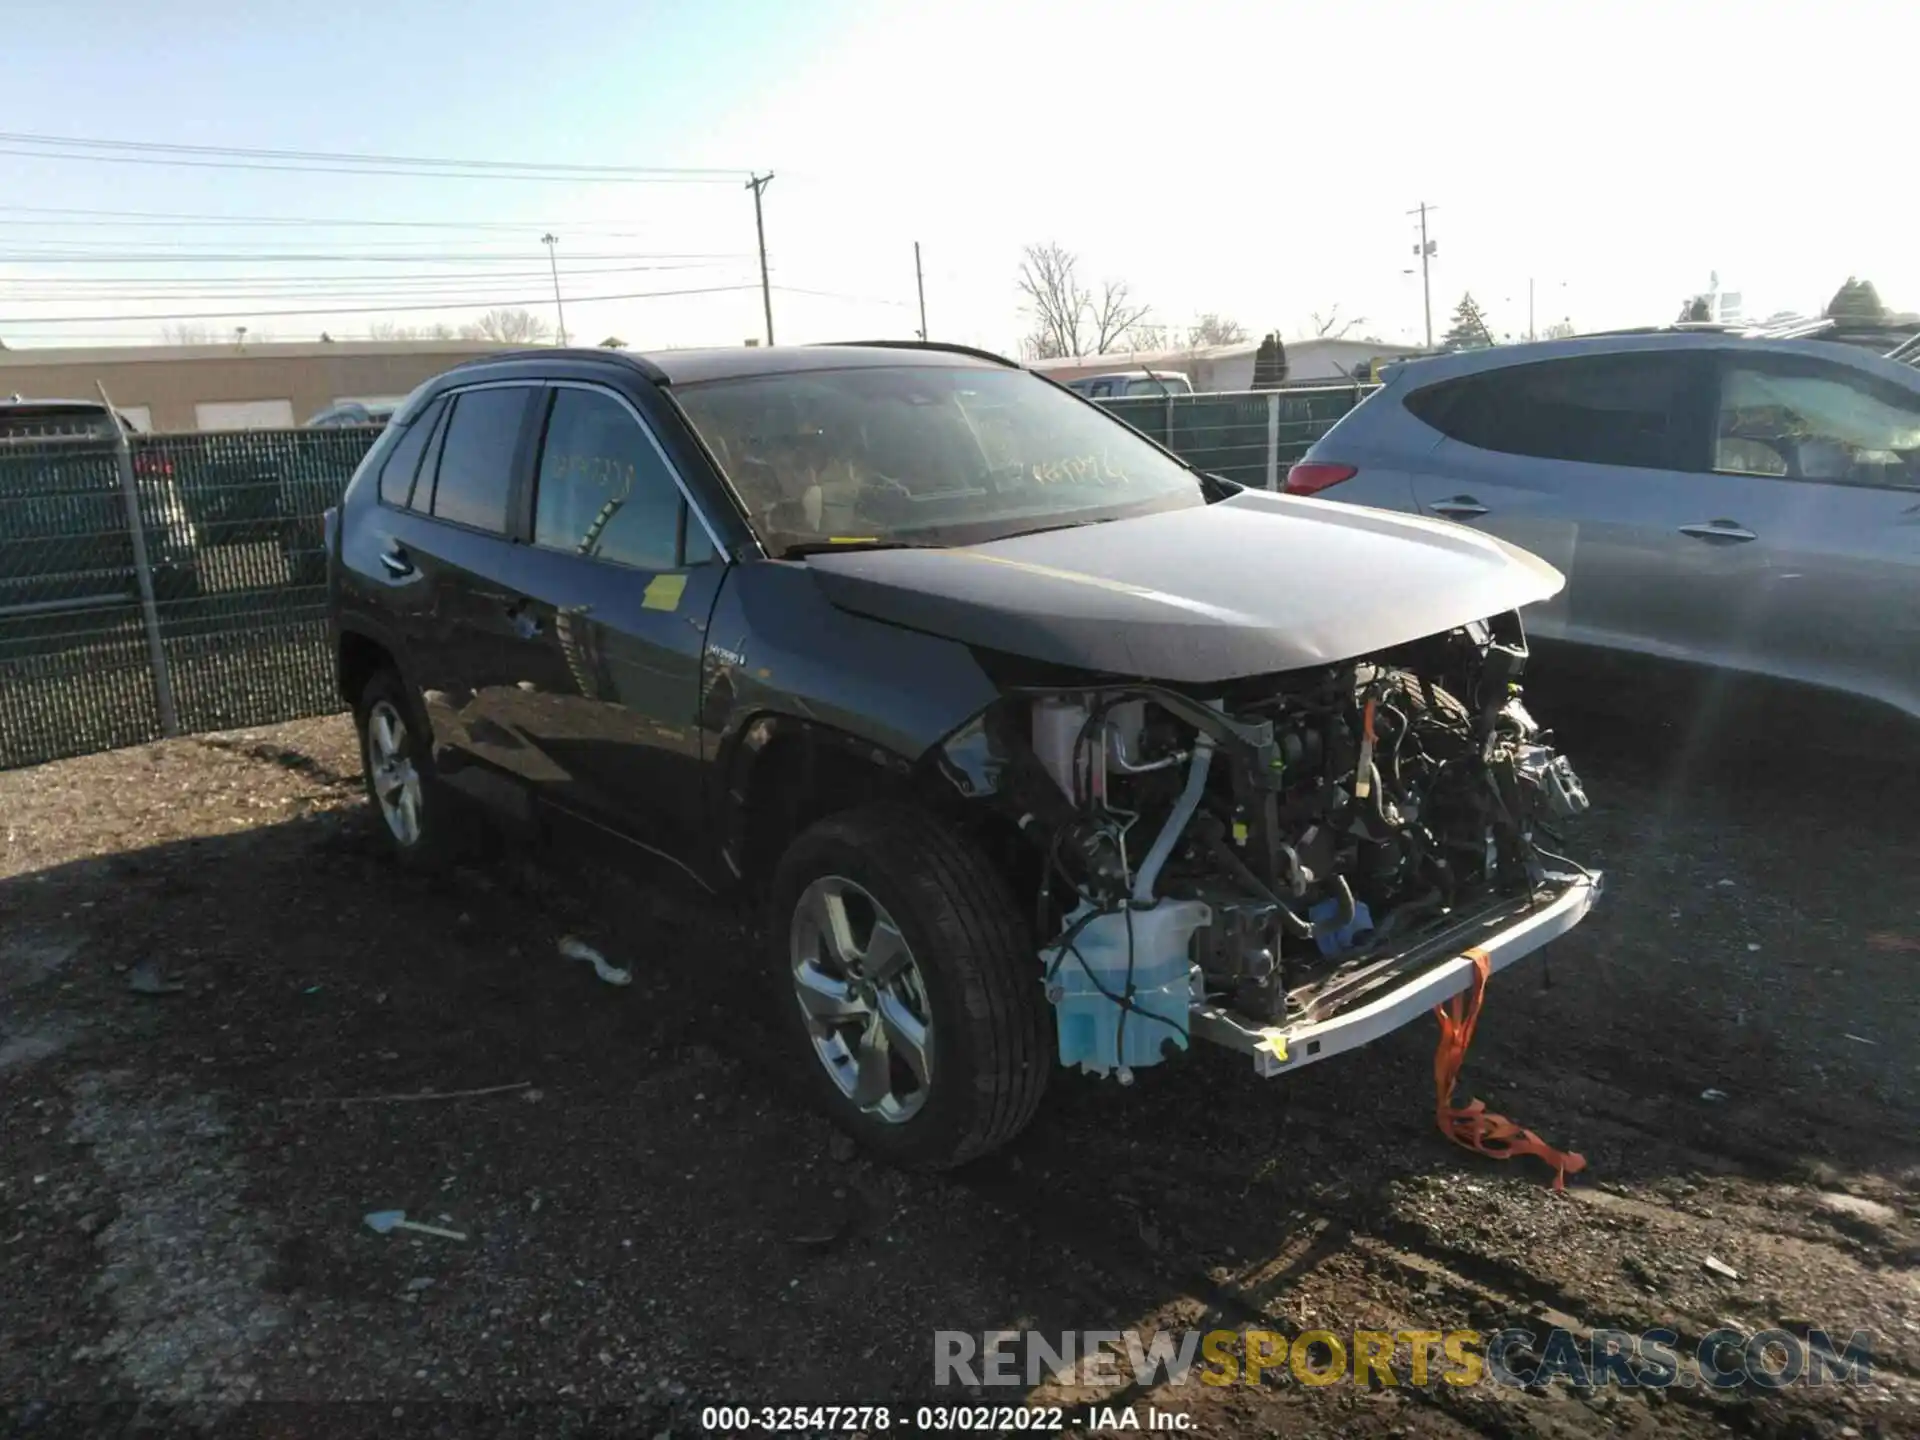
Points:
[[652, 1224]]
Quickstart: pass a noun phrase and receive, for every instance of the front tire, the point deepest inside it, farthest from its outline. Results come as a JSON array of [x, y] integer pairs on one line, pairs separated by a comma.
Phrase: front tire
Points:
[[917, 1013], [397, 762]]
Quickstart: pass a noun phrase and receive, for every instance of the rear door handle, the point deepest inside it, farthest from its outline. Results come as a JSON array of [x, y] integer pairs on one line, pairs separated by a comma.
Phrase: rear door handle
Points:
[[397, 562], [1719, 530], [1460, 507]]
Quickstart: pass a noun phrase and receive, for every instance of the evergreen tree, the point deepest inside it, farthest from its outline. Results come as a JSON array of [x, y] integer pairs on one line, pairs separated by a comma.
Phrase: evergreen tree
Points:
[[1270, 363], [1857, 301], [1469, 329]]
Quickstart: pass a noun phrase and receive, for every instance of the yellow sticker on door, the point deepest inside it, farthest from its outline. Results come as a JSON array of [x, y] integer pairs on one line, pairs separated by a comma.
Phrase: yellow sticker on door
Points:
[[664, 592]]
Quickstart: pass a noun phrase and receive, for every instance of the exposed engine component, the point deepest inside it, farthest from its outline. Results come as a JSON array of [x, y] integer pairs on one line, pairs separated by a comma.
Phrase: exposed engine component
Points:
[[1301, 825]]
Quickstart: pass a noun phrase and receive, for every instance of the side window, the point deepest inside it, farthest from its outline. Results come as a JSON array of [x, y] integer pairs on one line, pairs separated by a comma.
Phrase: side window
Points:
[[1807, 420], [603, 490], [476, 458], [430, 462], [403, 461], [1628, 409]]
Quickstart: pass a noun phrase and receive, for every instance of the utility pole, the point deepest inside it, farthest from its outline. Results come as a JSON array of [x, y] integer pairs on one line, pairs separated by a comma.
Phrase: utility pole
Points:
[[757, 184], [920, 283], [552, 241], [1529, 307], [1425, 251]]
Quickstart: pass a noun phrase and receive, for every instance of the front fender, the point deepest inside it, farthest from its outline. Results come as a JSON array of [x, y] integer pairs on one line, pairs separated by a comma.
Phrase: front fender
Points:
[[781, 660]]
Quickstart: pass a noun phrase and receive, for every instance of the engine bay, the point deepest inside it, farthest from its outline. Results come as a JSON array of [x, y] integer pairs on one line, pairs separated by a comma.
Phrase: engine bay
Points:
[[1246, 848]]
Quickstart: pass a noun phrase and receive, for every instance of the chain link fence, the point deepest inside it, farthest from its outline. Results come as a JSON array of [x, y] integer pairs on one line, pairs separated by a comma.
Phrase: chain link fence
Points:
[[1248, 436], [229, 628]]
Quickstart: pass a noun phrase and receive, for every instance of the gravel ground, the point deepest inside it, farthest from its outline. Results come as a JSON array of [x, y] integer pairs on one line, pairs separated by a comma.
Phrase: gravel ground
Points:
[[651, 1224]]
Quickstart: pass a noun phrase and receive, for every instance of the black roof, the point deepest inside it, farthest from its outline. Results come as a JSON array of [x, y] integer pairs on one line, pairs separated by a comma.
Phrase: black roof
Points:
[[733, 362]]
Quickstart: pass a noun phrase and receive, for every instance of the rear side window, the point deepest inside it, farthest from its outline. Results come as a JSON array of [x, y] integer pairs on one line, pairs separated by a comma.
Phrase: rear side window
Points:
[[1803, 419], [476, 458], [1633, 409], [604, 490], [403, 461]]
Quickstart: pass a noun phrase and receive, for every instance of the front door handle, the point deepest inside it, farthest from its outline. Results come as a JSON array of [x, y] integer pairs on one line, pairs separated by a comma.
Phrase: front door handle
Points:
[[1460, 507], [1719, 530], [397, 562]]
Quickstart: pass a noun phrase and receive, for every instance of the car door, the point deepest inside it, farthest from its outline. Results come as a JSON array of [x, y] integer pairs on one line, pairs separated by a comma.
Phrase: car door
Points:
[[452, 552], [1597, 463], [617, 587], [1831, 455]]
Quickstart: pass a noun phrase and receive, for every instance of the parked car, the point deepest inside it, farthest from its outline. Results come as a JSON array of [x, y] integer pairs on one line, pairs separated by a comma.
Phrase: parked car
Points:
[[355, 412], [1012, 722], [1123, 383], [1744, 504], [72, 569]]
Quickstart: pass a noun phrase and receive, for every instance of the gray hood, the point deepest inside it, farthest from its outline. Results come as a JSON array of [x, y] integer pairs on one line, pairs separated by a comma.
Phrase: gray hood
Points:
[[1255, 584]]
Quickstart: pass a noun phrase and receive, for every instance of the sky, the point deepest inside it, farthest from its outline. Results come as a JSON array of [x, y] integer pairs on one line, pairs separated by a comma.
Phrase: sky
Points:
[[1253, 160]]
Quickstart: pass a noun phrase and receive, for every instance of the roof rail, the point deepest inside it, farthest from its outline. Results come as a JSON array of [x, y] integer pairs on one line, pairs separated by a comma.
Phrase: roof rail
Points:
[[1800, 327], [569, 352], [948, 346]]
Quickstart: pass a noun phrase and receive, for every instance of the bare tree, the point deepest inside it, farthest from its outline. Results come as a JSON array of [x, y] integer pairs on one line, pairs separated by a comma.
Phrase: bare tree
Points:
[[1210, 329], [189, 334], [512, 327], [1115, 318], [387, 330], [1055, 301], [1331, 327], [1067, 319]]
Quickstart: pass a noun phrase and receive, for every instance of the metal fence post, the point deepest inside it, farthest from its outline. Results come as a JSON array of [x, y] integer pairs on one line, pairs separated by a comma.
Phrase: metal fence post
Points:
[[1273, 440], [143, 571]]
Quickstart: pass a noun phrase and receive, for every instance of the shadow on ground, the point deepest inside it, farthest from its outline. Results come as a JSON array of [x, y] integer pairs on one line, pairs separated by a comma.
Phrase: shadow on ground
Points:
[[651, 1222]]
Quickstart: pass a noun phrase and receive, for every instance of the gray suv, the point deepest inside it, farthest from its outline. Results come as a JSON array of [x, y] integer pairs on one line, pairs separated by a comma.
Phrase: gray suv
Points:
[[1745, 504]]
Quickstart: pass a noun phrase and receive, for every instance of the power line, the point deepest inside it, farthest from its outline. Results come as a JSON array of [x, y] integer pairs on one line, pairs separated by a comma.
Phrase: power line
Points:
[[210, 288], [208, 257], [239, 157], [495, 302], [842, 295], [175, 217], [350, 170]]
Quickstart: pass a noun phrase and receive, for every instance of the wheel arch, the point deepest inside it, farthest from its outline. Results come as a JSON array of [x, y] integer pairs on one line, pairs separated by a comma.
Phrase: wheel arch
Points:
[[361, 651], [785, 773]]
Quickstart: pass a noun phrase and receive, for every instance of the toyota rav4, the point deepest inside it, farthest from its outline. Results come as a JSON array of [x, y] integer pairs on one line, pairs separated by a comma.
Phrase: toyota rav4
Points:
[[1035, 745]]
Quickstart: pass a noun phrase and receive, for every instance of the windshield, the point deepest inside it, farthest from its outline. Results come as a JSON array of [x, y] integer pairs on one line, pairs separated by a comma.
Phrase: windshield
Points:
[[924, 455]]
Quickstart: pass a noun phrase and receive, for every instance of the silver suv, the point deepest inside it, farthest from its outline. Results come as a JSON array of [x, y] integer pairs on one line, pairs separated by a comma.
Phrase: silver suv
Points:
[[1741, 503]]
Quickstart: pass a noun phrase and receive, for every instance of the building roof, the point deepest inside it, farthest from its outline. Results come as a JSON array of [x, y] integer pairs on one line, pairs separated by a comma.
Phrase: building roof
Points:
[[174, 354], [1174, 359]]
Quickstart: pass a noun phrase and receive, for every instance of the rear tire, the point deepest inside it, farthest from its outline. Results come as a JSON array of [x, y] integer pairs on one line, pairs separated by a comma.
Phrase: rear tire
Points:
[[396, 760], [967, 990]]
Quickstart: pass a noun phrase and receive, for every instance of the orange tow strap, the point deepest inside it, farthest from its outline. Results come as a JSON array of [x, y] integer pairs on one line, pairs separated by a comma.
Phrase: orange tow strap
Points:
[[1471, 1125]]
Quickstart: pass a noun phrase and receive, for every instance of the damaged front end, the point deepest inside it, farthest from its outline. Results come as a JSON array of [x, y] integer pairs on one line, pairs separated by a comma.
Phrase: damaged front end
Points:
[[1288, 865]]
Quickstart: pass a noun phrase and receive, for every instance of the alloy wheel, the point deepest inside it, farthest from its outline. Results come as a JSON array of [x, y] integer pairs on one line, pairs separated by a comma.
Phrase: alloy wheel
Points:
[[396, 782], [863, 998]]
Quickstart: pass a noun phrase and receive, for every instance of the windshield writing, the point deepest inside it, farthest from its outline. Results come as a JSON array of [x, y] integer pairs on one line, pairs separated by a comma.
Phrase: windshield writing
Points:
[[926, 454]]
